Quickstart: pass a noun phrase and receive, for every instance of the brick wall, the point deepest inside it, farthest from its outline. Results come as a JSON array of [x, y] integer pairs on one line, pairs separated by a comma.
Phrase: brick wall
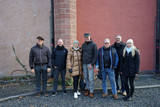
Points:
[[65, 21]]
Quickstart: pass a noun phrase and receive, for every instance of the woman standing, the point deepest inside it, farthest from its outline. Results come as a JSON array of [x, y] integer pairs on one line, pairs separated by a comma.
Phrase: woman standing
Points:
[[74, 66], [130, 62]]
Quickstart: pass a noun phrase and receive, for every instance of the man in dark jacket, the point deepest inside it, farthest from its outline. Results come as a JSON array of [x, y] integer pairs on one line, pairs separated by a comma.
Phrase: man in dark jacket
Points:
[[89, 57], [40, 63], [119, 46], [59, 56], [107, 61]]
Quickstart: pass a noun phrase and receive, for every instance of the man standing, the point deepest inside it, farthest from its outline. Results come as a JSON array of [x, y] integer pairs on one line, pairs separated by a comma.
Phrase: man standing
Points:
[[119, 46], [59, 56], [107, 61], [40, 64], [89, 58]]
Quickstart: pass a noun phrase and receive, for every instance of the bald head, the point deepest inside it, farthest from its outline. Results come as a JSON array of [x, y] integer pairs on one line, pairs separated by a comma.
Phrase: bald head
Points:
[[60, 42]]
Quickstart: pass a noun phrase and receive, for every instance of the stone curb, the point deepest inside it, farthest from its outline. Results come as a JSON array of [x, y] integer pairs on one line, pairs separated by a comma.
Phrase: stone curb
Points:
[[68, 89]]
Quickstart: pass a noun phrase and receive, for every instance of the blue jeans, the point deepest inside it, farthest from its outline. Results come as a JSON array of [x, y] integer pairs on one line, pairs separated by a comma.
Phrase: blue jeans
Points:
[[117, 81], [56, 76], [41, 71], [111, 76], [89, 77]]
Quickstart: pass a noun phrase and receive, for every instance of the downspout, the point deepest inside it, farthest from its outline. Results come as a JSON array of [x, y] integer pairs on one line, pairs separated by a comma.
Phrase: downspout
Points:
[[52, 23], [157, 37]]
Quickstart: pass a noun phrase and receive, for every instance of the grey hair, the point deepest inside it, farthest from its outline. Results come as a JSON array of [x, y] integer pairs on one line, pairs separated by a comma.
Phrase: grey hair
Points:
[[118, 36]]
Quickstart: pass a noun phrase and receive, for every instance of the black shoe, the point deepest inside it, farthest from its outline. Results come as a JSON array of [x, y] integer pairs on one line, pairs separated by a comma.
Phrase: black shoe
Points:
[[129, 99], [54, 93], [37, 95], [125, 98], [45, 94], [64, 92]]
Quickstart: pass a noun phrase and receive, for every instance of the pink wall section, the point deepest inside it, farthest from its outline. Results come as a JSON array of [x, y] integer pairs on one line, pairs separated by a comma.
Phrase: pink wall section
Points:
[[129, 18]]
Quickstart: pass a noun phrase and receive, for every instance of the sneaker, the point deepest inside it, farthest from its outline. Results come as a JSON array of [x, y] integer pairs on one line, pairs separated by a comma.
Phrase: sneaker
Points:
[[129, 99], [124, 93], [86, 93], [104, 95], [75, 95], [91, 95], [37, 95], [54, 93], [118, 91], [45, 94], [115, 97], [78, 93]]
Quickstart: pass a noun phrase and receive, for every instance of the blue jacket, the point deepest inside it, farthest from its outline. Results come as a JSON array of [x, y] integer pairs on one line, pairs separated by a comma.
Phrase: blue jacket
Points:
[[113, 57], [59, 56]]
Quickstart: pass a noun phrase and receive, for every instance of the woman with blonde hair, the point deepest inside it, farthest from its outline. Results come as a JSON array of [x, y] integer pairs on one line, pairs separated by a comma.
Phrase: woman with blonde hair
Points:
[[74, 65], [129, 67]]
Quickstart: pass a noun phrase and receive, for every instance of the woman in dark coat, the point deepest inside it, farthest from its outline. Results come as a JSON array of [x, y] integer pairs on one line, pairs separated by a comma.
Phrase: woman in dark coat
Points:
[[129, 66]]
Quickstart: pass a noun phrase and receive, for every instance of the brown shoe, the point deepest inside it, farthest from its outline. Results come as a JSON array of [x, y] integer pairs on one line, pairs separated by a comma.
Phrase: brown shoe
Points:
[[91, 95], [104, 95], [115, 97], [86, 93]]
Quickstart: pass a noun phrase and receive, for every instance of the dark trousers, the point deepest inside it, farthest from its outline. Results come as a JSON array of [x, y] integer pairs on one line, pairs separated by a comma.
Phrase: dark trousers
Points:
[[75, 83], [56, 76], [117, 75], [130, 90], [41, 72]]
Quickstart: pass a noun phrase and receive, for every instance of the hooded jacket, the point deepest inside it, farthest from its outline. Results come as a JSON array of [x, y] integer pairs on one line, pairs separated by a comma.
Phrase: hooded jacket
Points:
[[59, 57], [74, 61]]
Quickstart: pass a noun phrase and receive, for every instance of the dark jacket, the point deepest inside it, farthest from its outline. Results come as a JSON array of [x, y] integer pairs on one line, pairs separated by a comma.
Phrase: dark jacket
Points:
[[119, 48], [113, 57], [59, 56], [130, 62], [89, 53], [39, 56]]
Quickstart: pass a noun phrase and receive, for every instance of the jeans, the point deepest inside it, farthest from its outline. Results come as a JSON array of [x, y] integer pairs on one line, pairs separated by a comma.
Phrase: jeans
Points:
[[41, 71], [111, 76], [131, 83], [117, 81], [89, 77], [75, 83], [56, 76]]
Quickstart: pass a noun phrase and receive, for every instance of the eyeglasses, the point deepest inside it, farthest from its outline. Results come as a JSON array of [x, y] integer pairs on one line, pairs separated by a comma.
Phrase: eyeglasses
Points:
[[106, 43]]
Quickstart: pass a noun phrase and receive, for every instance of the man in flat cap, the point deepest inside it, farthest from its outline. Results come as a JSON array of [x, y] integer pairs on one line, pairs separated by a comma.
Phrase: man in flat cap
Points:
[[89, 58], [40, 64]]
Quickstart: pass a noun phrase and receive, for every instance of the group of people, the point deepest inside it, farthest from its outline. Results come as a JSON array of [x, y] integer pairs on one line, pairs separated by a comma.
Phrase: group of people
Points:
[[117, 60]]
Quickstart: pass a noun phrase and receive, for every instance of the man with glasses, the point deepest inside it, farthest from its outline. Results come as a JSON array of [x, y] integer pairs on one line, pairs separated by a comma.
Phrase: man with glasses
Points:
[[107, 61]]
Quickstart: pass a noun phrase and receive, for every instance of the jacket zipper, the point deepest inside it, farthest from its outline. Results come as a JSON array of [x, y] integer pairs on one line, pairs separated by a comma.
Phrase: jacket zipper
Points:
[[40, 57]]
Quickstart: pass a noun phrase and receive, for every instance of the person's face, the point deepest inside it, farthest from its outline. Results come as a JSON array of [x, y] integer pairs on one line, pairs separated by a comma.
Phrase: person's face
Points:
[[76, 45], [106, 44], [129, 45], [87, 38], [118, 40], [60, 42], [39, 41]]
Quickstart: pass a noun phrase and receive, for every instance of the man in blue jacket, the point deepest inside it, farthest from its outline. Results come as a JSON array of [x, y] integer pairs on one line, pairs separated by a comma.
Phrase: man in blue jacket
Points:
[[59, 56], [107, 61], [40, 64]]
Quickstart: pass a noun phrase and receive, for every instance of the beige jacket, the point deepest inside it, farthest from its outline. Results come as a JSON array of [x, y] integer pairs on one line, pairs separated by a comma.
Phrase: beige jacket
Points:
[[74, 61]]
